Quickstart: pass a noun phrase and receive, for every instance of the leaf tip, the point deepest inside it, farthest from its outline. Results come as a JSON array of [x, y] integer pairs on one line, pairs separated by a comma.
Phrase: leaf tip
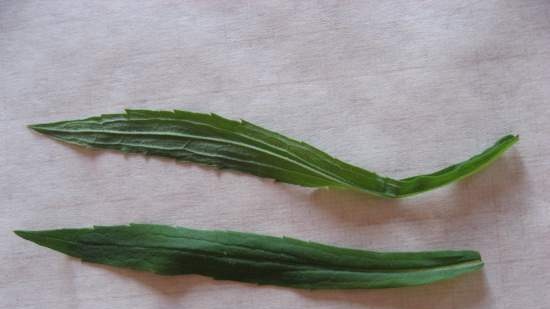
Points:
[[512, 139], [37, 127], [28, 235]]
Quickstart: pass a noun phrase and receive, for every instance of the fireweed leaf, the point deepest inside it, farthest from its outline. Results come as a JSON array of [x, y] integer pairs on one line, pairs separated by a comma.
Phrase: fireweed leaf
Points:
[[239, 145], [246, 257]]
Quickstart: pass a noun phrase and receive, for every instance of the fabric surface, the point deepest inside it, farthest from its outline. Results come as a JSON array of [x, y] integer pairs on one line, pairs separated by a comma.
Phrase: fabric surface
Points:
[[398, 87]]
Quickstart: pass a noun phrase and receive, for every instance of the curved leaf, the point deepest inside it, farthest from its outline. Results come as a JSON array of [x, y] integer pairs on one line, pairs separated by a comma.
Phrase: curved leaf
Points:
[[246, 257], [213, 140]]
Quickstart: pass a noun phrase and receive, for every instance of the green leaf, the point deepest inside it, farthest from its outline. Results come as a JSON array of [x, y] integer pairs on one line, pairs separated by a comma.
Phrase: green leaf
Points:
[[213, 140], [253, 258]]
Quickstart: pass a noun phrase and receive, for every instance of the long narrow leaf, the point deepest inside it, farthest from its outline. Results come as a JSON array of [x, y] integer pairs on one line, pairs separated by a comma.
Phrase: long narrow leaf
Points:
[[213, 140], [253, 258]]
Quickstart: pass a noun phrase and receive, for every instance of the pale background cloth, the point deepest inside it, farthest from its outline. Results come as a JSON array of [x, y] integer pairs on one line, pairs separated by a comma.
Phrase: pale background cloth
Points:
[[398, 87]]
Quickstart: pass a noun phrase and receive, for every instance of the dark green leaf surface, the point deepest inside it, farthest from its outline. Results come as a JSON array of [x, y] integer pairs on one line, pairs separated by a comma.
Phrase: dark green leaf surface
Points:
[[213, 140], [253, 258]]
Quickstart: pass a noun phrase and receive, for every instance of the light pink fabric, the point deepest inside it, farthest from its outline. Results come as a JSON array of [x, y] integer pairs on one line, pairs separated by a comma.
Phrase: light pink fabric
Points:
[[398, 87]]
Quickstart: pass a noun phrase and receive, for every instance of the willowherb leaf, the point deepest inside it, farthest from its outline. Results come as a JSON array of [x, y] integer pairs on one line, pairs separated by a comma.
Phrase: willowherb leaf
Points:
[[239, 145], [253, 258]]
